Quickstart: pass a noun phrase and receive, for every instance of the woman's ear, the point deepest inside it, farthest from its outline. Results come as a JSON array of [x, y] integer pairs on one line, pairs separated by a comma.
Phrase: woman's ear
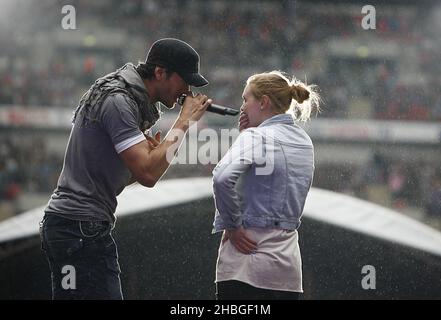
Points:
[[264, 102]]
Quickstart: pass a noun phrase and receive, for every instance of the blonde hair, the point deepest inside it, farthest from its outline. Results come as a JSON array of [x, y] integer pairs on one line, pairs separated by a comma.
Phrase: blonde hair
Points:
[[287, 95]]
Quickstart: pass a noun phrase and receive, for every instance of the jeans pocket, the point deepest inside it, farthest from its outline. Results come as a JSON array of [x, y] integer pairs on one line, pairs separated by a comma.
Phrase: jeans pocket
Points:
[[62, 250], [91, 229]]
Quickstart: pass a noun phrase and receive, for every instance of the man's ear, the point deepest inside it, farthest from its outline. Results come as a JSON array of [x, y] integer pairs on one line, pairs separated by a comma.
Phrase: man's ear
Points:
[[159, 73]]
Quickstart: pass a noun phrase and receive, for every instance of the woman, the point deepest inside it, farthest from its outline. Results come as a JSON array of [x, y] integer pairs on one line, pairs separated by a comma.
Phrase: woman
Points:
[[260, 187]]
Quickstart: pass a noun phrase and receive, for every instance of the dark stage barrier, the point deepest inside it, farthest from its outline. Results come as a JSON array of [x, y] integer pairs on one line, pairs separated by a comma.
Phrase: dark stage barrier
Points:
[[170, 253]]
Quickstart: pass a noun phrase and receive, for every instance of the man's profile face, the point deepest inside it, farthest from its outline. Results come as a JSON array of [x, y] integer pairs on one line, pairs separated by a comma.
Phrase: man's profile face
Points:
[[172, 88]]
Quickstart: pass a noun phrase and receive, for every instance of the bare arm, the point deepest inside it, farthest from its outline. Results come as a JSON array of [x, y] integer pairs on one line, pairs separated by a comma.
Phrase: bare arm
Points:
[[153, 142], [148, 163]]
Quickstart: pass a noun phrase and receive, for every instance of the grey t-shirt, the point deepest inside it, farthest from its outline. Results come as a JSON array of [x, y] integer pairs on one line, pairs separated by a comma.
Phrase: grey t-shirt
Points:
[[93, 172]]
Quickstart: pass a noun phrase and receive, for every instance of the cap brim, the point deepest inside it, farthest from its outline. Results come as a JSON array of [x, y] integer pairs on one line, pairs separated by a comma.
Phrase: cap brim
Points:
[[194, 79]]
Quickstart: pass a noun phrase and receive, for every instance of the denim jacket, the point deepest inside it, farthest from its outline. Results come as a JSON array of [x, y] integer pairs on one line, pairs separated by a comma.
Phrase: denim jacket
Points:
[[264, 178]]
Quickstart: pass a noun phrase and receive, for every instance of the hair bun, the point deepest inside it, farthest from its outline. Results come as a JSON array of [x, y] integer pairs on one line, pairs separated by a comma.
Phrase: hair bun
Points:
[[299, 93]]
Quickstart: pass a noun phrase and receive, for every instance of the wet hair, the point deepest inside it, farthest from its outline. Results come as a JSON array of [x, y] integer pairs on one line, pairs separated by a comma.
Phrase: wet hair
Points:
[[286, 95], [147, 70]]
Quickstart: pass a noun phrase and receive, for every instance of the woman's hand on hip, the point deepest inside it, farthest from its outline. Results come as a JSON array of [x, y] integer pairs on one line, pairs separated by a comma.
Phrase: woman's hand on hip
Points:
[[240, 240]]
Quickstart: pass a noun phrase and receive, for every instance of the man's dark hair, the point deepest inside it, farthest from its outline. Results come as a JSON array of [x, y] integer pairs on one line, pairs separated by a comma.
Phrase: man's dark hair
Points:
[[147, 70]]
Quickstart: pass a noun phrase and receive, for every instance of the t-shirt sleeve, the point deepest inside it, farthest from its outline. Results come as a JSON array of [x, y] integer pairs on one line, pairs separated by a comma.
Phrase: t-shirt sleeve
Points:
[[120, 121]]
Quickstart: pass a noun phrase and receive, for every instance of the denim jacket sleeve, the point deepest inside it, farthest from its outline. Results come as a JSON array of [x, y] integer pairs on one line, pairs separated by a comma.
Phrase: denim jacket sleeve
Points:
[[235, 162]]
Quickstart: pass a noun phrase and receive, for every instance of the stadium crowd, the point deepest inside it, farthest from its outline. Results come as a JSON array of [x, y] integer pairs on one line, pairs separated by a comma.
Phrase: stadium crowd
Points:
[[242, 35], [238, 37]]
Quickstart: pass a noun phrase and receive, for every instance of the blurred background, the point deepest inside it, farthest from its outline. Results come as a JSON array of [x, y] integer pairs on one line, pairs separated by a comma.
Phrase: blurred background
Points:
[[377, 137]]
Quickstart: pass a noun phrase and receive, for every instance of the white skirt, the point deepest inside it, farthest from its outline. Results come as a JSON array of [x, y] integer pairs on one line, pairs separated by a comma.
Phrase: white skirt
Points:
[[276, 265]]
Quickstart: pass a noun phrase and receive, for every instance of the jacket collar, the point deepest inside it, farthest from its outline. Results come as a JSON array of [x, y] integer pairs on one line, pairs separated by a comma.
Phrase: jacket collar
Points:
[[278, 119]]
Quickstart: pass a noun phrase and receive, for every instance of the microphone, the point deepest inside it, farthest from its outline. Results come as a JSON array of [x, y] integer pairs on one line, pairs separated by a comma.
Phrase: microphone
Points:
[[215, 108]]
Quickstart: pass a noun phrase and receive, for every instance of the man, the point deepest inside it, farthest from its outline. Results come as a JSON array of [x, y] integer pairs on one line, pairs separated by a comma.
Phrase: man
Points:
[[108, 150]]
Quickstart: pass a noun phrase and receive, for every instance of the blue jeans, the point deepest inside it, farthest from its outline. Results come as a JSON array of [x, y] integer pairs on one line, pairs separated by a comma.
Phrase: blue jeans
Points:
[[82, 257]]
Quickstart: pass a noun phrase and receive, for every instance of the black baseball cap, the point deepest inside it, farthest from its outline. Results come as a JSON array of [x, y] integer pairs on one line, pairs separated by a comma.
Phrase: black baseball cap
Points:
[[178, 56]]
